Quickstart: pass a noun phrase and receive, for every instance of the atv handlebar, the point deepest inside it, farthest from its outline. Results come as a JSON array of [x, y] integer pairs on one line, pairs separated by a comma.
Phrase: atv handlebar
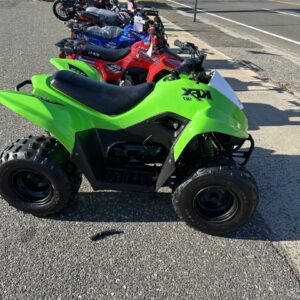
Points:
[[70, 46], [189, 48], [150, 11], [78, 27], [191, 66], [179, 44], [186, 67], [194, 65]]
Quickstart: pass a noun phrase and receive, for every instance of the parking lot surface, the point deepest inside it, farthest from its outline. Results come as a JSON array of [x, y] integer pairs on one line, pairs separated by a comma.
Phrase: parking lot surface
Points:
[[152, 255]]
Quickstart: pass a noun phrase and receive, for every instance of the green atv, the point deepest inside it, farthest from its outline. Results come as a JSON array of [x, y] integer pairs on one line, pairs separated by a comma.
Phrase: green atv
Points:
[[186, 132]]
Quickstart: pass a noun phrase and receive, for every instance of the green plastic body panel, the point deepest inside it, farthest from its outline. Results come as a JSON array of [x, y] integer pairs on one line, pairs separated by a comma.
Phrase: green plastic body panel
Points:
[[63, 117], [76, 66]]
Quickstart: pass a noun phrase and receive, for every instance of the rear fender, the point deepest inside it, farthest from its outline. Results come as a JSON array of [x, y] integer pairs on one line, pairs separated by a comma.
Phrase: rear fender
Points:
[[51, 116], [157, 72], [76, 66], [162, 67]]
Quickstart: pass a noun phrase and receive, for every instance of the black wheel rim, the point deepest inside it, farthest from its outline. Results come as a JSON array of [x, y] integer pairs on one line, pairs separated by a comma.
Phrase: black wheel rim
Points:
[[216, 204], [32, 186]]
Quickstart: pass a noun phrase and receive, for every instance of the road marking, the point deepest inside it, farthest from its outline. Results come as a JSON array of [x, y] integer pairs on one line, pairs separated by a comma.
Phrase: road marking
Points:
[[285, 2], [281, 12], [239, 23]]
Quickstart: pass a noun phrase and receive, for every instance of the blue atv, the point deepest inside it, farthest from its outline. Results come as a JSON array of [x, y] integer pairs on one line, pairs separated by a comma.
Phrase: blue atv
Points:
[[140, 28], [108, 36]]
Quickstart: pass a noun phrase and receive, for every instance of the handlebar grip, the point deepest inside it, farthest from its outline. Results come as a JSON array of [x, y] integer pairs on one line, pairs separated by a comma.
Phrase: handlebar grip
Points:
[[186, 67], [179, 44], [151, 12]]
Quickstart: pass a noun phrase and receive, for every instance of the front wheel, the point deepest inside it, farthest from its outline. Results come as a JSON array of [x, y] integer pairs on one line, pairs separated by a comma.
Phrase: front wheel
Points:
[[217, 200], [62, 12], [37, 176]]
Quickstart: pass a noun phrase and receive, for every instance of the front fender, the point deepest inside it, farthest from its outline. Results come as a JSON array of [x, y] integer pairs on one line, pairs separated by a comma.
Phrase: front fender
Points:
[[212, 121], [49, 116], [208, 121]]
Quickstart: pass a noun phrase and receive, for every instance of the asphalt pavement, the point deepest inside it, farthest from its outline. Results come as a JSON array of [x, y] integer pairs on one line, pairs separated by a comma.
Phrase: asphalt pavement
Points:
[[273, 22], [152, 255], [265, 35]]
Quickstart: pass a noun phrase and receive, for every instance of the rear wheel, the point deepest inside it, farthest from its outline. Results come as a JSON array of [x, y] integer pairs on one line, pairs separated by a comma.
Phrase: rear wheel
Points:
[[37, 176], [218, 199], [61, 12]]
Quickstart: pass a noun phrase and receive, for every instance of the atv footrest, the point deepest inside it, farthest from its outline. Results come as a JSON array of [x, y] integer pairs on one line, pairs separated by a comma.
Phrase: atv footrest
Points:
[[130, 177]]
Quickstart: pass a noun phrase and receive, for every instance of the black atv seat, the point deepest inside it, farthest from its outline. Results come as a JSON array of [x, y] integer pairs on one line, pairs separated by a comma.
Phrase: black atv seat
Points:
[[100, 12], [90, 15], [102, 16], [103, 53], [106, 32], [105, 98]]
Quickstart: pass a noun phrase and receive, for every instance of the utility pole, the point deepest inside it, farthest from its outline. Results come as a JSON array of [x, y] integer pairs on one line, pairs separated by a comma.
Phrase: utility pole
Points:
[[195, 12]]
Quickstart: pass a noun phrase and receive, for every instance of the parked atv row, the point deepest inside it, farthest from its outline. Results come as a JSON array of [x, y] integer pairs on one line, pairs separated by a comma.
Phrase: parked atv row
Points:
[[66, 10], [137, 118]]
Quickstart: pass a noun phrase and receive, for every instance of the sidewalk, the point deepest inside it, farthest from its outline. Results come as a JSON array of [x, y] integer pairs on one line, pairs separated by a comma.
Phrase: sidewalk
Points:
[[274, 117]]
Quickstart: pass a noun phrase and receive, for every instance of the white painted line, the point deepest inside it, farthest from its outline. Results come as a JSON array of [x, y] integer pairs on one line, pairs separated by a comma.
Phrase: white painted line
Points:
[[285, 2], [281, 12], [239, 23]]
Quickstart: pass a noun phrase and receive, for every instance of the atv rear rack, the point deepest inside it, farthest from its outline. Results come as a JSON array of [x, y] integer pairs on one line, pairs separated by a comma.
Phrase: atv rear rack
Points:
[[22, 84]]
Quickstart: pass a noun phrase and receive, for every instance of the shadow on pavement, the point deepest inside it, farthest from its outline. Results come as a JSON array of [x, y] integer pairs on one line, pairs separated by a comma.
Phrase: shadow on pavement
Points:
[[152, 4], [110, 206], [213, 64], [270, 116], [278, 176], [132, 207], [258, 83], [253, 85], [263, 53]]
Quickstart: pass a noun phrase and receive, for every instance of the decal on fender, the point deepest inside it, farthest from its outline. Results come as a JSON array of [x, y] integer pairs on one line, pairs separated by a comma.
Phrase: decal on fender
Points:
[[198, 94]]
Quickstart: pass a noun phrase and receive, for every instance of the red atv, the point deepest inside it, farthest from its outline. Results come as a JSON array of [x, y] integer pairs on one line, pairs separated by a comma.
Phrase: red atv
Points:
[[143, 62]]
